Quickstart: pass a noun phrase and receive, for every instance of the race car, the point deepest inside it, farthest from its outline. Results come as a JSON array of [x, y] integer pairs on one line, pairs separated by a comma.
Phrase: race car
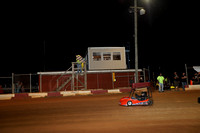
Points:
[[140, 94]]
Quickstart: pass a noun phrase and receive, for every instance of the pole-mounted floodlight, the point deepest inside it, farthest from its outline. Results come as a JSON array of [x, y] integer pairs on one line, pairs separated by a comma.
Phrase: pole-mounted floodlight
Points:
[[142, 12]]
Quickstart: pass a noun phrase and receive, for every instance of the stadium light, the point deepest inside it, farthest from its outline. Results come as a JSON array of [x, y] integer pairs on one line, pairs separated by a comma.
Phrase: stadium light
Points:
[[135, 9]]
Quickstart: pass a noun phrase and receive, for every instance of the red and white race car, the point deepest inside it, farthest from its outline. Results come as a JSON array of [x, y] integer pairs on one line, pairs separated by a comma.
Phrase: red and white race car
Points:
[[140, 95]]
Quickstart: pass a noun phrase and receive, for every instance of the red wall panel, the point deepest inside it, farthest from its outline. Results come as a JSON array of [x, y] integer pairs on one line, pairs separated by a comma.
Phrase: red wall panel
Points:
[[105, 80], [94, 81]]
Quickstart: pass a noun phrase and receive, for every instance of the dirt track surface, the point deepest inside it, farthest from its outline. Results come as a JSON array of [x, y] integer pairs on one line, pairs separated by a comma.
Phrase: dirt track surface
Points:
[[171, 112]]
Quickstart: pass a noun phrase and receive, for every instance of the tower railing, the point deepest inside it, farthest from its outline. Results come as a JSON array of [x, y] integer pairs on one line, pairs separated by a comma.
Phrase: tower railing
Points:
[[76, 75]]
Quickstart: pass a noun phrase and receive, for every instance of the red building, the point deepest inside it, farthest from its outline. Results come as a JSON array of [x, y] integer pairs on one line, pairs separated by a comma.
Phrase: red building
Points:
[[99, 79]]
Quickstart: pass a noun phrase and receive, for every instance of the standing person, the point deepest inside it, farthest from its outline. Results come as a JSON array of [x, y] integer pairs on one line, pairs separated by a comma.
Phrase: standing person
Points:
[[195, 78], [167, 83], [82, 64], [183, 81], [79, 62], [176, 81], [18, 87], [22, 88], [160, 80]]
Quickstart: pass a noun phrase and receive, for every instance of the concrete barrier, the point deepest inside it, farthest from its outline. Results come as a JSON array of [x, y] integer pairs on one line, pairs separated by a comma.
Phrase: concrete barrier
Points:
[[37, 95], [54, 94], [99, 91], [68, 93], [193, 87], [6, 96], [83, 92], [125, 90], [62, 93], [114, 91], [21, 96]]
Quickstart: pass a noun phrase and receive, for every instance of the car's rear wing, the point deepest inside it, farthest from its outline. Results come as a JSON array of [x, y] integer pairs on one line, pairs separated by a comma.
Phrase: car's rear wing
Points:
[[141, 85]]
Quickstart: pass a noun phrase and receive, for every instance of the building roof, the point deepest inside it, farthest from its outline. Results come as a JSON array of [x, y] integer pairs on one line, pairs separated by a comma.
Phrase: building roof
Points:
[[105, 47], [94, 71], [196, 68]]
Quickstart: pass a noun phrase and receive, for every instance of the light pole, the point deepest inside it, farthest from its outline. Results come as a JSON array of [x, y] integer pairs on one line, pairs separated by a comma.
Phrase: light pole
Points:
[[136, 41], [142, 11]]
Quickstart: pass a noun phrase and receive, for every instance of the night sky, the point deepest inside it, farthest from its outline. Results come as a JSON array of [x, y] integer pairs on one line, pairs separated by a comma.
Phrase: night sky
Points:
[[46, 36]]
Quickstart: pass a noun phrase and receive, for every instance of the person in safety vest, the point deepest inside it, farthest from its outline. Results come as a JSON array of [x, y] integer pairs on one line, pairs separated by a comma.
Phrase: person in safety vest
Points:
[[79, 61], [161, 82]]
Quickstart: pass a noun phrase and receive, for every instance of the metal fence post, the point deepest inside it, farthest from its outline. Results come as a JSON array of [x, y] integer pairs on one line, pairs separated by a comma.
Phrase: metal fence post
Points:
[[73, 72], [144, 74], [186, 72], [13, 85], [40, 82], [85, 71], [30, 83]]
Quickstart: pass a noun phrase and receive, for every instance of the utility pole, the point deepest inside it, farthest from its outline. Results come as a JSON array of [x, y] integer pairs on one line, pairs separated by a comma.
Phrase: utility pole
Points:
[[142, 12], [136, 41]]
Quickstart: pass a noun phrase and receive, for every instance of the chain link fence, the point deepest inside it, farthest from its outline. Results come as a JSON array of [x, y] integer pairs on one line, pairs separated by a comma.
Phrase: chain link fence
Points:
[[19, 83]]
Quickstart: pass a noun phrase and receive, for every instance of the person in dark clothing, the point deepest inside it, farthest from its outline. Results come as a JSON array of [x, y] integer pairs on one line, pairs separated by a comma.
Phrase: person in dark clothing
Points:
[[176, 81], [18, 87], [183, 81]]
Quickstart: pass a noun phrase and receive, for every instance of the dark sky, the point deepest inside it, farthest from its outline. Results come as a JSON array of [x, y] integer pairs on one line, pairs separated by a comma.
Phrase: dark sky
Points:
[[38, 36]]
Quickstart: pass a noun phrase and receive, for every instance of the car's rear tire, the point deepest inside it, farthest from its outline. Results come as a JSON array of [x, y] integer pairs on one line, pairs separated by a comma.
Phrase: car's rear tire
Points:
[[129, 103], [150, 102]]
